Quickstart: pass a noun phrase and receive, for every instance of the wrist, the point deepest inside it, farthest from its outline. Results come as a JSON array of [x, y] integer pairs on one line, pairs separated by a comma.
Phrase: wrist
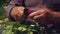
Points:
[[9, 16], [26, 13]]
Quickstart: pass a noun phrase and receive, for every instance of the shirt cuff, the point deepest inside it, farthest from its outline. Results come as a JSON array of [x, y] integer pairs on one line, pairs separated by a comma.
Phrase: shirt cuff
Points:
[[10, 17]]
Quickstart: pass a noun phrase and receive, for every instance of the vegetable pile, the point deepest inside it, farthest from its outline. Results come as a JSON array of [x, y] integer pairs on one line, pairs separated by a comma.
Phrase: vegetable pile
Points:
[[22, 28]]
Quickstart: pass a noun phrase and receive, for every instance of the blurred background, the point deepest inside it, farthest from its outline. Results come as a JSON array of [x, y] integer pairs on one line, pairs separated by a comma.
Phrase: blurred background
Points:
[[6, 26], [3, 4]]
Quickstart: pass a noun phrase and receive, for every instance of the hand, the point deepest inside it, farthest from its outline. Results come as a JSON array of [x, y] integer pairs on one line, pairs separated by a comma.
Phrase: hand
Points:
[[40, 16], [17, 13]]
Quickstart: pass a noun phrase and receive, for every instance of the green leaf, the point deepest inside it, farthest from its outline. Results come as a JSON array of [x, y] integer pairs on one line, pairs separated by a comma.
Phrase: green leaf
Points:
[[8, 30], [30, 32]]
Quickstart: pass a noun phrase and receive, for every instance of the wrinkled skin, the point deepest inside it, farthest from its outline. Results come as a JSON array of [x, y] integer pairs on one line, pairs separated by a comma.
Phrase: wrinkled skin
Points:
[[17, 13], [42, 16]]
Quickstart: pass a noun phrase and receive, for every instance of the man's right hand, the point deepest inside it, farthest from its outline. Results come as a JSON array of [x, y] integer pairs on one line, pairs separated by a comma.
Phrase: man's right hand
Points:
[[17, 13]]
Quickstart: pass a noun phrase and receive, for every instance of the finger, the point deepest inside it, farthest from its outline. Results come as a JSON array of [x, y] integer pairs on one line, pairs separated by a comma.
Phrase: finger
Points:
[[38, 12], [38, 16], [34, 13]]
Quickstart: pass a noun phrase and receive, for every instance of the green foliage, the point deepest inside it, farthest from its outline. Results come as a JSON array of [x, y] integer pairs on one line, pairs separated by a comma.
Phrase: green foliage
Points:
[[3, 3], [2, 12], [19, 28], [7, 27]]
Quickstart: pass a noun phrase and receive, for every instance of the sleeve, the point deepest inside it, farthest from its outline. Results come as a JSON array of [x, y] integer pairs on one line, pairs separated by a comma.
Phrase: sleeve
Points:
[[10, 6]]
